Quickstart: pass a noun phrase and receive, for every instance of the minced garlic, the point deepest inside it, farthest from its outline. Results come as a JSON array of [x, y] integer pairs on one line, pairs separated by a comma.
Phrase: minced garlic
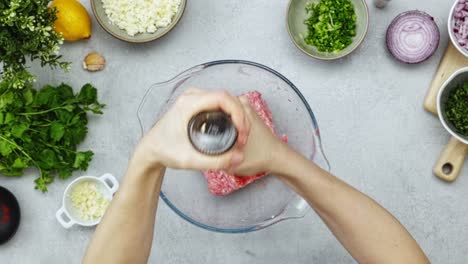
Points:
[[88, 201]]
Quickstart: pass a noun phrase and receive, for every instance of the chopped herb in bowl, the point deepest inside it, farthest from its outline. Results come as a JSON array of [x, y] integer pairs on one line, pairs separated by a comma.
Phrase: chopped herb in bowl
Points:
[[456, 109], [331, 25]]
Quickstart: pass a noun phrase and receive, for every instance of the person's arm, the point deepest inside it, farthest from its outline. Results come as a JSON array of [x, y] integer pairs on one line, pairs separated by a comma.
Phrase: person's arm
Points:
[[369, 232], [125, 233]]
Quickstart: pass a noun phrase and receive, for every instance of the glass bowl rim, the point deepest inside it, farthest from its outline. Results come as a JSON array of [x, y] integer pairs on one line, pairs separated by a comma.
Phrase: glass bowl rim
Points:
[[298, 93]]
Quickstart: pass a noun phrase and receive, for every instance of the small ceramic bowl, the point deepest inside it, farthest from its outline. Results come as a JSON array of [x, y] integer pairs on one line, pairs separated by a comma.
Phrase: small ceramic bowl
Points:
[[67, 215], [103, 20], [458, 78], [296, 15], [451, 23]]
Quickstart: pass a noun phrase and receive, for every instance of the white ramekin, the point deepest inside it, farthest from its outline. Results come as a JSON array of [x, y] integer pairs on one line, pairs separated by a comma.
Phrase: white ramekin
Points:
[[66, 215]]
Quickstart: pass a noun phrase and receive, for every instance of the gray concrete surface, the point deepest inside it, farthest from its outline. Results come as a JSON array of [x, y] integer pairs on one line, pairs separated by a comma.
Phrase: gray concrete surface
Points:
[[369, 107]]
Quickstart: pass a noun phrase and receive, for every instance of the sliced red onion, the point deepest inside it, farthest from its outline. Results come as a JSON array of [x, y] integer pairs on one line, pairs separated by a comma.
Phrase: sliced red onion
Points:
[[460, 23], [413, 37]]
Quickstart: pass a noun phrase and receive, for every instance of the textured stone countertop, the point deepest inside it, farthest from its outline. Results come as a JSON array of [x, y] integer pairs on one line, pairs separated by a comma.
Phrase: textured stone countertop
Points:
[[369, 107]]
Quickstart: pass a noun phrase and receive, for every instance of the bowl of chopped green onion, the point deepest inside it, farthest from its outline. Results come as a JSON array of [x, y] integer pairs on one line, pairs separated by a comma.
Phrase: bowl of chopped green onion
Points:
[[452, 105], [327, 29], [86, 199]]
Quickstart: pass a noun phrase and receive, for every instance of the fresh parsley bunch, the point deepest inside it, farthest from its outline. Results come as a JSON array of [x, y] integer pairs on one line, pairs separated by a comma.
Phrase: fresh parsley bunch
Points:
[[26, 33], [42, 129], [38, 128]]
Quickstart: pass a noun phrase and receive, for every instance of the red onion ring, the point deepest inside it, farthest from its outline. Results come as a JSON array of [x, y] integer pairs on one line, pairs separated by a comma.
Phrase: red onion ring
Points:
[[413, 37]]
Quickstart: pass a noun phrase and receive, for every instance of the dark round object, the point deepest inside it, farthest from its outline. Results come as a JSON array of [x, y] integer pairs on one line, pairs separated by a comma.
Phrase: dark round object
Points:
[[413, 37], [9, 215], [212, 133]]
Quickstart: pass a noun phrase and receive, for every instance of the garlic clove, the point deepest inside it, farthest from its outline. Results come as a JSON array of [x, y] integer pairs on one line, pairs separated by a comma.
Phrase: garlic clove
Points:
[[94, 62]]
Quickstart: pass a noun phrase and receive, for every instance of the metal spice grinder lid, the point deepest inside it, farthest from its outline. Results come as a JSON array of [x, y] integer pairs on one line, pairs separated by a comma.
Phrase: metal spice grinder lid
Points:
[[212, 133]]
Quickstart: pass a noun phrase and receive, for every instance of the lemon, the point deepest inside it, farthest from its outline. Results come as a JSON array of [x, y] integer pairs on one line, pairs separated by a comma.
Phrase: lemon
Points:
[[73, 21]]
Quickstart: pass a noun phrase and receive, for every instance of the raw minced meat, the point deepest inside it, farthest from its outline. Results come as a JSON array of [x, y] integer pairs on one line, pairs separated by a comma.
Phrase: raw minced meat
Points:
[[223, 183]]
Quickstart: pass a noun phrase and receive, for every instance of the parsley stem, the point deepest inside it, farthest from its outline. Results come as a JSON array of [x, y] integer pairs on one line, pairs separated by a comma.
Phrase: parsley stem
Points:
[[34, 130], [43, 125], [43, 112], [58, 147]]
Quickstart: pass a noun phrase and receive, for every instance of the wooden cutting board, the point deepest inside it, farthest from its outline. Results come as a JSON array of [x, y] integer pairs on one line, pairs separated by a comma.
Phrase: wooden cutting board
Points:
[[451, 160]]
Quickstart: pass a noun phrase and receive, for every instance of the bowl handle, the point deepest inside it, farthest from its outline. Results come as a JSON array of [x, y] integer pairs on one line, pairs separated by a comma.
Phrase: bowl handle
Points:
[[296, 209], [451, 160], [65, 223], [110, 181]]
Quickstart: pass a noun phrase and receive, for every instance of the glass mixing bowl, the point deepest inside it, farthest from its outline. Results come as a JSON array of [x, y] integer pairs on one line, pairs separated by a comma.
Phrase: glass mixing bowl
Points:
[[266, 201]]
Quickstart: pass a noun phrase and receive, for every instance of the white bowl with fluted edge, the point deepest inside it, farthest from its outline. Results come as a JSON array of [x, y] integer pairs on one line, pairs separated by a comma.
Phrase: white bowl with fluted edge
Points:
[[67, 215]]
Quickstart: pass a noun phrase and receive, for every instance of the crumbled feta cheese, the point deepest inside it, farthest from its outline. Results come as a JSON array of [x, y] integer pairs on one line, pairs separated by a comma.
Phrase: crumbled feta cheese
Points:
[[88, 201], [140, 16]]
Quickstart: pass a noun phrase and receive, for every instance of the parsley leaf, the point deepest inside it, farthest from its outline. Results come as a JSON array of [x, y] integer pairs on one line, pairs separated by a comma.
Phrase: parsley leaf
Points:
[[44, 180], [5, 147], [82, 160], [87, 95], [18, 130], [57, 130]]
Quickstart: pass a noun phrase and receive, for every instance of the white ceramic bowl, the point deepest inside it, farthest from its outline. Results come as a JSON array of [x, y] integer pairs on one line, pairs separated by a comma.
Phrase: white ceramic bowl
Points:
[[67, 216], [450, 24], [457, 78]]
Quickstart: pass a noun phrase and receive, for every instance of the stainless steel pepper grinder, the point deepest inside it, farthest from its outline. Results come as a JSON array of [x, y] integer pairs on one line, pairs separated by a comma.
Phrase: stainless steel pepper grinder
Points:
[[212, 133]]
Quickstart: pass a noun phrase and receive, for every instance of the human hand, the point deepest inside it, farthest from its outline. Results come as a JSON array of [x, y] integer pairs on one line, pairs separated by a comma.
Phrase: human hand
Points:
[[167, 143], [262, 151]]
